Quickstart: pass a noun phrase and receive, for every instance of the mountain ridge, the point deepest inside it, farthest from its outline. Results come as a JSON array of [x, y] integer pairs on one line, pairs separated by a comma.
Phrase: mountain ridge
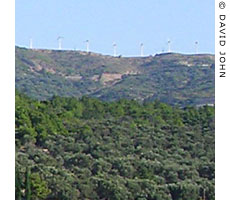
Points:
[[173, 78]]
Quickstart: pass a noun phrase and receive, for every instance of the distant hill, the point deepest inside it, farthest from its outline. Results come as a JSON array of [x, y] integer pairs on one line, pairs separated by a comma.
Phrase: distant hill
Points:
[[172, 78]]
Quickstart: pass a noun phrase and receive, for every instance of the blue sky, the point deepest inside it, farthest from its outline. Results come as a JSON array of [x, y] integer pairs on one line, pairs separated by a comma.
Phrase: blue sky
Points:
[[126, 22]]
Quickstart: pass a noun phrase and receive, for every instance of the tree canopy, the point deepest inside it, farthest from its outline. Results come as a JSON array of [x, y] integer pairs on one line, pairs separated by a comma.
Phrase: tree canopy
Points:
[[68, 148]]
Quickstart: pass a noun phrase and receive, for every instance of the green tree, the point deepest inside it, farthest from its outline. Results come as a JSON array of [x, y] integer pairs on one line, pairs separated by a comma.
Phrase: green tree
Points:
[[18, 184], [27, 184], [39, 187], [184, 191]]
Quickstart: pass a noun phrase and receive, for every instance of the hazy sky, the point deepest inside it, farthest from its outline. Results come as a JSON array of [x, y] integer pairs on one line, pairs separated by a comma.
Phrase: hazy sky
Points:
[[127, 22]]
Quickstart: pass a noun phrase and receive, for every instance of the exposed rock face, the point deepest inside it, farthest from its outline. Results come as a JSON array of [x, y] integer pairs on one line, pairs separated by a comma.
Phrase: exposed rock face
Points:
[[74, 78], [112, 78], [95, 78], [107, 78]]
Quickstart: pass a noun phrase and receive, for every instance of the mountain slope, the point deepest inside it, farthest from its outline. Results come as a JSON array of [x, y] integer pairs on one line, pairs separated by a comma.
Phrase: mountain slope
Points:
[[172, 78]]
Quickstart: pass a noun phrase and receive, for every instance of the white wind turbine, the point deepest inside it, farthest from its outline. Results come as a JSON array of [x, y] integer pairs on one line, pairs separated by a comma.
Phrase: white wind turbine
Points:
[[142, 49], [114, 49], [169, 45], [87, 46], [59, 39], [31, 43], [196, 47]]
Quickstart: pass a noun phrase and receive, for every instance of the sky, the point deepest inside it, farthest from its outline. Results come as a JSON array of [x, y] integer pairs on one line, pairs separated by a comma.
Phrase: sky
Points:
[[125, 22]]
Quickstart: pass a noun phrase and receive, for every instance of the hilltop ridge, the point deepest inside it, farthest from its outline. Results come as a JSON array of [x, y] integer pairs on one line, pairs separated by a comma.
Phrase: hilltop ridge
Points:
[[174, 78]]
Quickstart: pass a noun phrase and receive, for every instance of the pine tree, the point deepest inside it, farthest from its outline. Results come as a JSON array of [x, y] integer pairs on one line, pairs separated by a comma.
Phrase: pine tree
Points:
[[28, 184]]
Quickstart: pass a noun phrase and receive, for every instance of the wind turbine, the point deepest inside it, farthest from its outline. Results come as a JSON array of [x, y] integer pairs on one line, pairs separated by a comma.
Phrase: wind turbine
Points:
[[169, 45], [196, 46], [59, 39], [87, 46], [142, 49], [114, 49], [31, 43]]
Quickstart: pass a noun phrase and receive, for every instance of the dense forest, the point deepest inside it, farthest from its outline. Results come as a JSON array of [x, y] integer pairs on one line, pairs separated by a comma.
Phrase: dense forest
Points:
[[69, 148]]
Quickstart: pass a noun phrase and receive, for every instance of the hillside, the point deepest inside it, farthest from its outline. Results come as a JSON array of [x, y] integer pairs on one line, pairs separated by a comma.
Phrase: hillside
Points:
[[173, 78], [69, 149]]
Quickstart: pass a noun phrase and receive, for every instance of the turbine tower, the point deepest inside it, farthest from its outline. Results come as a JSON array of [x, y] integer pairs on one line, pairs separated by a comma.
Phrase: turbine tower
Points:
[[169, 45], [114, 49], [31, 43], [142, 49], [196, 47], [87, 46], [59, 39]]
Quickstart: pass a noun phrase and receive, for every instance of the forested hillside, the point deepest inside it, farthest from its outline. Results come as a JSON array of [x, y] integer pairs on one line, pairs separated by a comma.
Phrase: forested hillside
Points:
[[68, 148], [173, 78]]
